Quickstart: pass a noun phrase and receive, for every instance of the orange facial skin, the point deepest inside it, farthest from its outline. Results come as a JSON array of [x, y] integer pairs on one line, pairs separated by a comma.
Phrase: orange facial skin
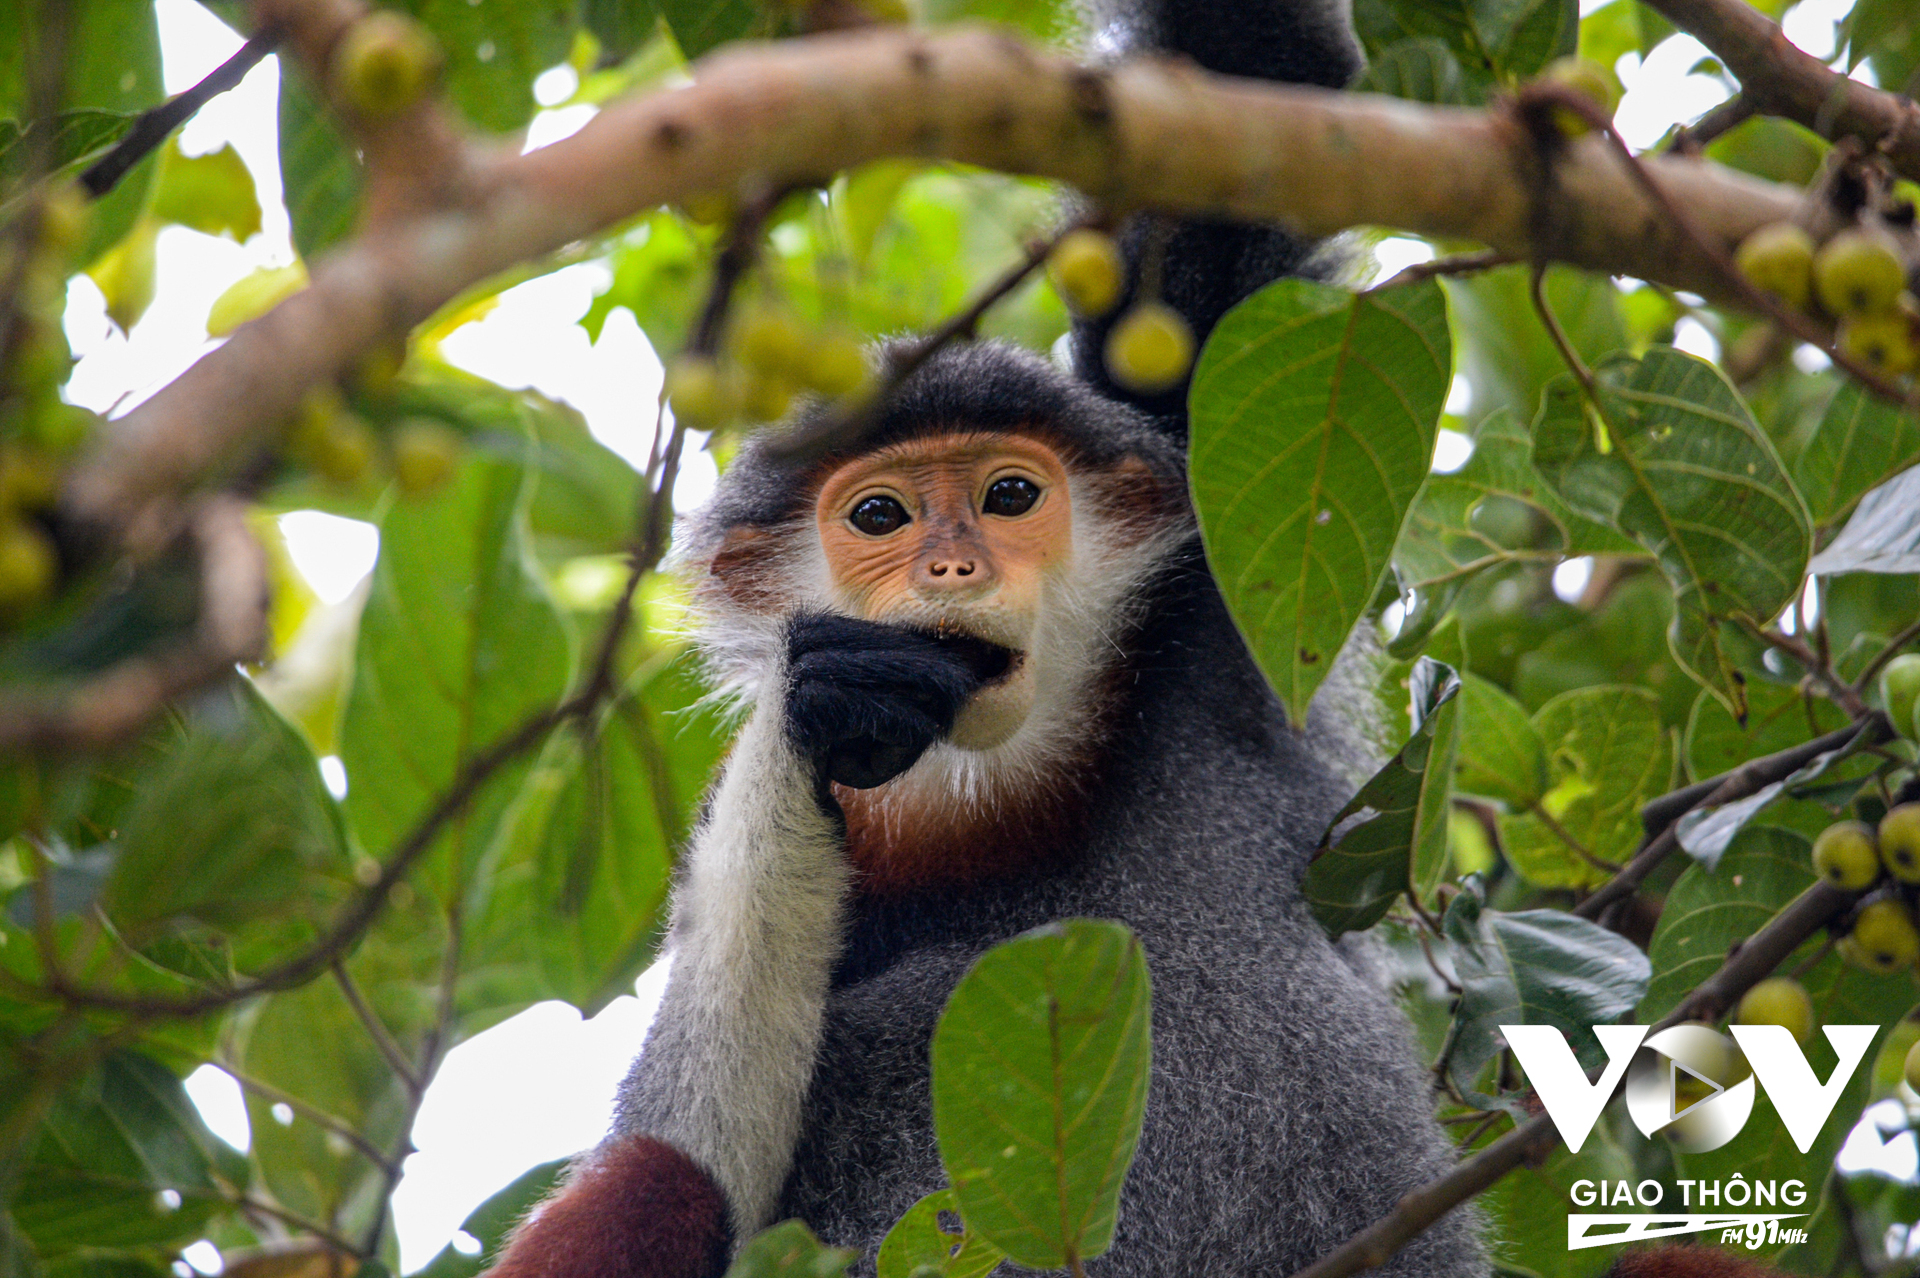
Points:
[[954, 531]]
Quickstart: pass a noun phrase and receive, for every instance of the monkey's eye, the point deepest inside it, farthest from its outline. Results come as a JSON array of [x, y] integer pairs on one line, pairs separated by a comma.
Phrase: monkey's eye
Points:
[[1010, 496], [878, 516]]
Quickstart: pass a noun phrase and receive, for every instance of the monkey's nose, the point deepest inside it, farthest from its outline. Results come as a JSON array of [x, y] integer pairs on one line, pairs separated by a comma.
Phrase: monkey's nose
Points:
[[955, 570]]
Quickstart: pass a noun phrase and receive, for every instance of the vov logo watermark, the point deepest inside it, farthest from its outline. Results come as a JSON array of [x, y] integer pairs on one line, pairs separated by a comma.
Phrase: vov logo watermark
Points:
[[1686, 1084]]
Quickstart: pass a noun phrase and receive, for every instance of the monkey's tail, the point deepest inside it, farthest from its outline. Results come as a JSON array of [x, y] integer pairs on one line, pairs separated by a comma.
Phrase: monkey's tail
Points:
[[1203, 268]]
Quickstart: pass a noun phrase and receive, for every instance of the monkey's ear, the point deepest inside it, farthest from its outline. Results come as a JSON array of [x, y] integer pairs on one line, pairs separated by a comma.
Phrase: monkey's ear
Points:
[[747, 567], [636, 1208], [1135, 495]]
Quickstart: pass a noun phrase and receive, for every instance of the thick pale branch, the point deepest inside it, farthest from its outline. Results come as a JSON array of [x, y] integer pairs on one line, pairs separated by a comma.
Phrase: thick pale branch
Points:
[[1780, 79], [1147, 134]]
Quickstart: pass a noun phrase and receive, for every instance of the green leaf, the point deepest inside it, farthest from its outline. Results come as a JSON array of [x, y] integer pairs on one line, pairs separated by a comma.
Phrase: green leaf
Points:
[[789, 1250], [1314, 415], [1686, 472], [1886, 34], [1505, 353], [397, 969], [494, 49], [1422, 69], [232, 824], [1497, 42], [1861, 442], [319, 171], [1707, 911], [586, 848], [1773, 148], [1050, 21], [1501, 754], [111, 64], [459, 644], [1492, 510], [123, 1161], [211, 193], [1356, 875], [1524, 35], [1534, 967], [917, 1239], [660, 271], [1606, 755], [492, 1222], [1040, 1066]]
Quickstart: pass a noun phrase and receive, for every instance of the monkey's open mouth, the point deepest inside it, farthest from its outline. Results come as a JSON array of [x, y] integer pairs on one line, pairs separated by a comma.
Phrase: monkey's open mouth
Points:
[[988, 661]]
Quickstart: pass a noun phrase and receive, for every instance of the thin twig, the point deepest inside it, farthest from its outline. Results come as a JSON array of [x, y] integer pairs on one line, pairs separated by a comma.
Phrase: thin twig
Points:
[[1753, 775], [1457, 264], [1577, 366], [1691, 139], [376, 1029], [735, 259], [1822, 673], [847, 423], [305, 1224], [152, 128], [306, 1109], [1886, 654]]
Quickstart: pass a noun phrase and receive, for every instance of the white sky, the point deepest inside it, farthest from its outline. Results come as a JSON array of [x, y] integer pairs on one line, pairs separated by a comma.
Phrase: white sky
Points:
[[541, 1084]]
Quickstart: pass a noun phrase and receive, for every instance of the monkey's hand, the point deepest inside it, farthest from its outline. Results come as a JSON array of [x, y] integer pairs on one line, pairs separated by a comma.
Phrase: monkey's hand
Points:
[[865, 700]]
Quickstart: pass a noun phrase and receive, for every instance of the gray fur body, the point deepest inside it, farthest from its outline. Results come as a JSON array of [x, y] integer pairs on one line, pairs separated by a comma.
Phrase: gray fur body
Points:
[[1287, 1109]]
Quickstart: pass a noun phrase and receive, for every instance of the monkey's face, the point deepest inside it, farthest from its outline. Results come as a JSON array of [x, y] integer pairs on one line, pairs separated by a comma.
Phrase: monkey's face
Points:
[[962, 532]]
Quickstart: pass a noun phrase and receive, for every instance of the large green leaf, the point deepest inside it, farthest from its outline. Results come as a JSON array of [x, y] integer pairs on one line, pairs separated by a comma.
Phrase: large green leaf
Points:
[[1505, 354], [1501, 753], [588, 844], [319, 172], [123, 1160], [232, 823], [1040, 1066], [1534, 967], [1362, 867], [459, 644], [494, 49], [1685, 471], [918, 1240], [1607, 755], [111, 65], [1314, 414], [1421, 69], [1861, 442]]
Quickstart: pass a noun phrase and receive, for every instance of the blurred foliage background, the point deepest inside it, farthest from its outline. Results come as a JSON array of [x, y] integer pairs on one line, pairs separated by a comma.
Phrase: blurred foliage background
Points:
[[147, 886]]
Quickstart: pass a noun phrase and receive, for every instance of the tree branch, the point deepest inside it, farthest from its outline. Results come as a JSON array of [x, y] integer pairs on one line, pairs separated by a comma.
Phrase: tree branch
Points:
[[1780, 79], [1146, 134], [152, 128], [1753, 775]]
